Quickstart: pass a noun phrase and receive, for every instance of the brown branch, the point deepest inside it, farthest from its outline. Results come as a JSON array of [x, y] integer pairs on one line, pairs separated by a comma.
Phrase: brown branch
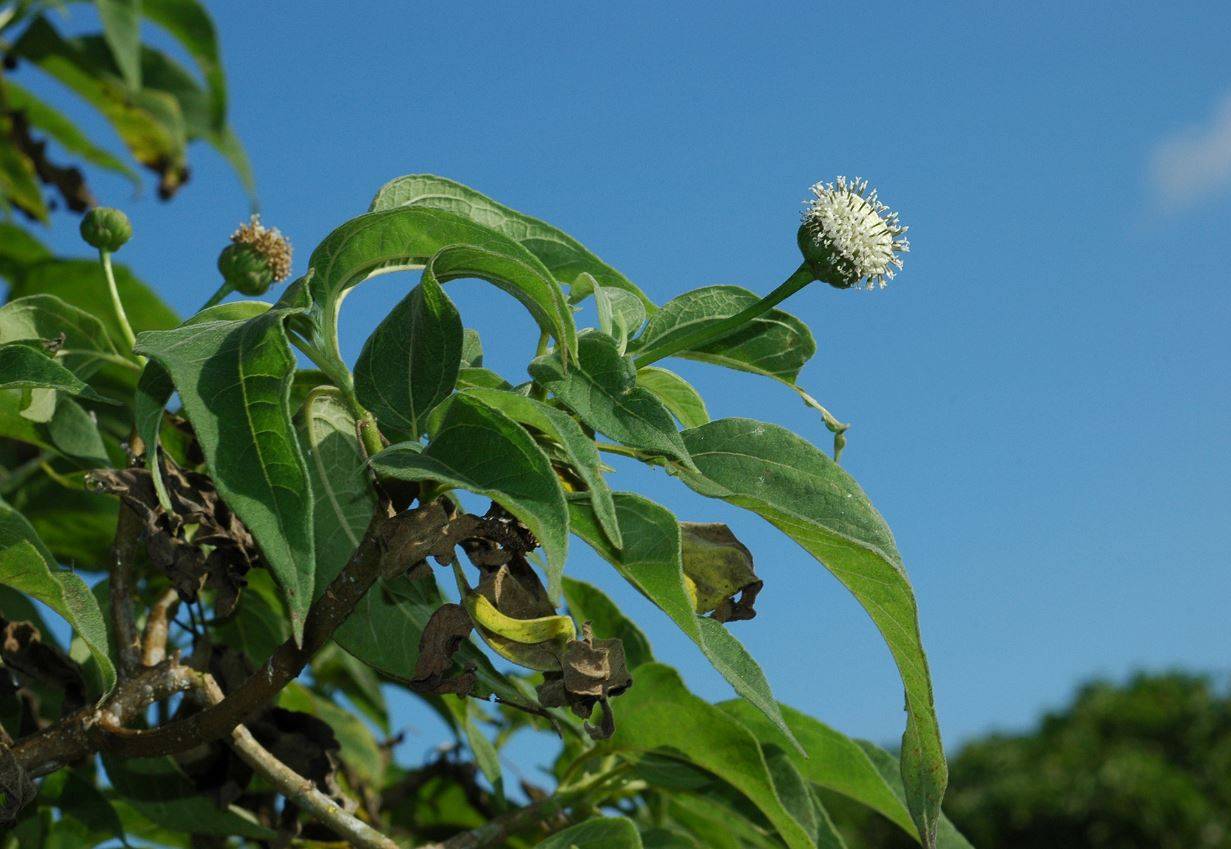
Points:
[[154, 638], [403, 539], [68, 180], [292, 785], [81, 732], [128, 532]]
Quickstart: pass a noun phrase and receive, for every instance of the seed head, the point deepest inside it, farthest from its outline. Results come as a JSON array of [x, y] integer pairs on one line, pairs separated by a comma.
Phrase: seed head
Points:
[[269, 243], [106, 229], [849, 237]]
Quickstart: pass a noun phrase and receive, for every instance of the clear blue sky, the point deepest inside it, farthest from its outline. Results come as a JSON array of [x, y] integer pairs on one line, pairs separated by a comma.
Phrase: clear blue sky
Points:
[[1040, 401]]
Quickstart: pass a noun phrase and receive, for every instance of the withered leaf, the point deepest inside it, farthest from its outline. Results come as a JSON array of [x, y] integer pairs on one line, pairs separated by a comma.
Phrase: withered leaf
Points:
[[16, 788], [443, 635], [719, 568], [25, 655]]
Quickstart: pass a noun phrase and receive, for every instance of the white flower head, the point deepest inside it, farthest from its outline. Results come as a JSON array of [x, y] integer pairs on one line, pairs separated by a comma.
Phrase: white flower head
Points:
[[852, 233]]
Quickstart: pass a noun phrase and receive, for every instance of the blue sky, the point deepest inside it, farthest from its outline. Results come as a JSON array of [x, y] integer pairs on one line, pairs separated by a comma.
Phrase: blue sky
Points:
[[1040, 402]]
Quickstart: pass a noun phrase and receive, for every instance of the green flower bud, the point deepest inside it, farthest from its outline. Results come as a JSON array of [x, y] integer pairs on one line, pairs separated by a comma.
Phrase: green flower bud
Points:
[[849, 238], [245, 269], [106, 229]]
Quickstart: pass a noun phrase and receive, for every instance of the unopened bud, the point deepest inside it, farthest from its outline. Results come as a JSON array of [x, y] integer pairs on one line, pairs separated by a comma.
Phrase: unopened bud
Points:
[[106, 229]]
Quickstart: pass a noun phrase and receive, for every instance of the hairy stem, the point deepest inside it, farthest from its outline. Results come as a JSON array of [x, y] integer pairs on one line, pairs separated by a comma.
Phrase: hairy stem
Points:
[[116, 304], [708, 333]]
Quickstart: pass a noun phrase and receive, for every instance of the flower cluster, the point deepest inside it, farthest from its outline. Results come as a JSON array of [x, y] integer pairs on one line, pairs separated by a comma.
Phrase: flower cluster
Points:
[[850, 236], [269, 243]]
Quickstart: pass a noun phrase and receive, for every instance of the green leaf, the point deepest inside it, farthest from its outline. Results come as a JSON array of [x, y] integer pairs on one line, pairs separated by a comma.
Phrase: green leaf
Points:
[[189, 23], [27, 566], [122, 29], [578, 448], [59, 127], [78, 526], [234, 379], [259, 624], [834, 761], [652, 562], [620, 313], [790, 483], [74, 433], [384, 629], [159, 791], [947, 836], [24, 367], [676, 394], [81, 802], [409, 364], [400, 239], [601, 388], [82, 284], [18, 251], [19, 183], [36, 318], [336, 672], [480, 449], [659, 713], [775, 344], [587, 603], [563, 255], [149, 122], [472, 348], [597, 833]]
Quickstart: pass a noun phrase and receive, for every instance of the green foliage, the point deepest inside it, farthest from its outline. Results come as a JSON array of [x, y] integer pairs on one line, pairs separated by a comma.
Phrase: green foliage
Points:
[[1144, 763], [155, 106], [258, 495]]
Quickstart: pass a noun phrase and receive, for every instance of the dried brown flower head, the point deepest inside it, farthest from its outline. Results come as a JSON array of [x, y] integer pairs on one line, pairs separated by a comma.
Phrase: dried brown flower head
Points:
[[269, 242]]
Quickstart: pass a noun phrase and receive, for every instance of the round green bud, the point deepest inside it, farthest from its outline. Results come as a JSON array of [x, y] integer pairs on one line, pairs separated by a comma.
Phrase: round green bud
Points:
[[245, 269], [106, 229]]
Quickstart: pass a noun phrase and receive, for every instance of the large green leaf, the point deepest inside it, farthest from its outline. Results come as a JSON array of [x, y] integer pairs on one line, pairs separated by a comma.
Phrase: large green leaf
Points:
[[410, 362], [481, 450], [601, 388], [563, 255], [774, 473], [775, 344], [234, 379], [66, 134], [21, 366], [560, 427], [597, 833], [384, 629], [161, 792], [27, 566], [676, 393], [399, 239], [652, 561], [659, 713]]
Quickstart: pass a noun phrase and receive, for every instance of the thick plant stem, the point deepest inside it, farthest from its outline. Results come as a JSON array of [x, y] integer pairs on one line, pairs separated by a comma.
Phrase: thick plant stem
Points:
[[116, 304], [702, 336], [216, 298]]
